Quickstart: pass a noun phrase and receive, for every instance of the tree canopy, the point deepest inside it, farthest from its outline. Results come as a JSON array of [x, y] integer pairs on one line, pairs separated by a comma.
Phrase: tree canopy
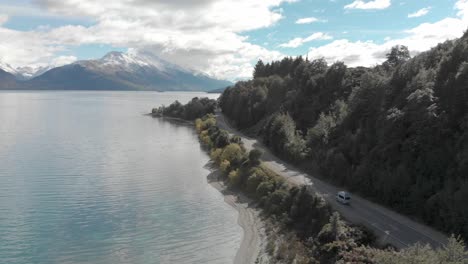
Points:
[[196, 108], [398, 54]]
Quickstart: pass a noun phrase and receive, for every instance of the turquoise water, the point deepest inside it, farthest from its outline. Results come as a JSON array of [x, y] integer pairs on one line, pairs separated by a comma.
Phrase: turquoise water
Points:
[[85, 177]]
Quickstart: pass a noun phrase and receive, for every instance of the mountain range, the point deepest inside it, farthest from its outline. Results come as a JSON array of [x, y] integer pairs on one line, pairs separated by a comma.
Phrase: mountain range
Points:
[[114, 71]]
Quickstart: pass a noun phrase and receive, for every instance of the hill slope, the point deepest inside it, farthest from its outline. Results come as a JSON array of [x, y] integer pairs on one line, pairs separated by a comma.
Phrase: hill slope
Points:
[[74, 77], [7, 80]]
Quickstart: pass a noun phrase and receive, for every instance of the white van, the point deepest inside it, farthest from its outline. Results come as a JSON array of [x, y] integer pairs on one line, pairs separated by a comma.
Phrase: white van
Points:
[[343, 197]]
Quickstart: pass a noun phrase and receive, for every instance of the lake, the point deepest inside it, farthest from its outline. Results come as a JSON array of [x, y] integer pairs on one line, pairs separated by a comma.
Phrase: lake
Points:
[[86, 177]]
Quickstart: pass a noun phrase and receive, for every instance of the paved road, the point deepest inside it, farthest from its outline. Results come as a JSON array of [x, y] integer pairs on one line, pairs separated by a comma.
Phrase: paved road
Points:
[[389, 226]]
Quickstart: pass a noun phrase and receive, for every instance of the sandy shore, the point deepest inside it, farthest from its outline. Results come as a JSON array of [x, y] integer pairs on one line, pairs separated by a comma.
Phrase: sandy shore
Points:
[[253, 239]]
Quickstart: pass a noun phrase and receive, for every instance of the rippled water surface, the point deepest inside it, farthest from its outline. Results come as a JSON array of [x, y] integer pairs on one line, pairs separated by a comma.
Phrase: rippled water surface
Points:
[[85, 177]]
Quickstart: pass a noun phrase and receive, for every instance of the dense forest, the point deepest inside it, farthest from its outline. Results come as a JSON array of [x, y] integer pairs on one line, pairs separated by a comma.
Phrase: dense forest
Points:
[[396, 133]]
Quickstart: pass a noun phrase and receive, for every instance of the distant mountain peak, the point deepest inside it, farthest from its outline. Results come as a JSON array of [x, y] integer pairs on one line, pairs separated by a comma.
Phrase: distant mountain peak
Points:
[[26, 72], [112, 54], [120, 58], [115, 61]]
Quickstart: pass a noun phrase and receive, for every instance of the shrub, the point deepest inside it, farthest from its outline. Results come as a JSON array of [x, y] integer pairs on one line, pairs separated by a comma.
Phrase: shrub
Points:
[[234, 178], [225, 166], [233, 153], [215, 155], [254, 156], [253, 181], [265, 188]]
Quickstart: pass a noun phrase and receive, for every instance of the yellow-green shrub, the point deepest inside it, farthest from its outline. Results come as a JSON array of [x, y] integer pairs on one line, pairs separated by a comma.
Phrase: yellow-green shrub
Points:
[[205, 138], [233, 153], [215, 155], [225, 166], [198, 125], [205, 123], [234, 178]]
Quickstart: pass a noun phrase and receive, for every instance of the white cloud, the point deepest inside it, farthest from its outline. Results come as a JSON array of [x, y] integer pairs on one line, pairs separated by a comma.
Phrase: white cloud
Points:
[[374, 4], [421, 12], [3, 19], [28, 48], [418, 39], [22, 10], [462, 7], [368, 53], [307, 20], [63, 60], [351, 53], [203, 35], [296, 42]]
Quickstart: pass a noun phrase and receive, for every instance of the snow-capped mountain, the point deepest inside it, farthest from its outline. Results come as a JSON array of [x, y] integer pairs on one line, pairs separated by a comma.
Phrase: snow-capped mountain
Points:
[[115, 61], [120, 71], [24, 73], [27, 73], [7, 68]]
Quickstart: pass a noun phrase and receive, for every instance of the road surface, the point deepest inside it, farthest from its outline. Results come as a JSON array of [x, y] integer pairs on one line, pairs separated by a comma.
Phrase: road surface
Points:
[[389, 226]]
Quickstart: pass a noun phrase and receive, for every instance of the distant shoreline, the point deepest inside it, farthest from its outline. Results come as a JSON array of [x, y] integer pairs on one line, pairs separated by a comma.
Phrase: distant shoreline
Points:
[[105, 90]]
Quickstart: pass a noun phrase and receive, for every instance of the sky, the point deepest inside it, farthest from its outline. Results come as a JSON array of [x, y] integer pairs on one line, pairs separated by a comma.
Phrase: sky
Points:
[[224, 38]]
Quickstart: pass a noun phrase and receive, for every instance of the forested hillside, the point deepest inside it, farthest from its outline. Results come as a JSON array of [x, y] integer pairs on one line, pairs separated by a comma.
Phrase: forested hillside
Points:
[[396, 133]]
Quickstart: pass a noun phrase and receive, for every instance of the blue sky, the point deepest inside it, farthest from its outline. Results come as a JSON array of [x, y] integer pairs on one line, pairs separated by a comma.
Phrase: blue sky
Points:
[[220, 37], [354, 25]]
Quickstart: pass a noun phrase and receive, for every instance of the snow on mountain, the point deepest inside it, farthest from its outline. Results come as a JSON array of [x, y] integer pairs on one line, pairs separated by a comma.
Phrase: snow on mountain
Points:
[[8, 68], [27, 72], [132, 61], [153, 60]]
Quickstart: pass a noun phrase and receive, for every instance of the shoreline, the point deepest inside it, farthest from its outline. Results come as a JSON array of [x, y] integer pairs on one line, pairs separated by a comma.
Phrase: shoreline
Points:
[[252, 247], [169, 118], [253, 238]]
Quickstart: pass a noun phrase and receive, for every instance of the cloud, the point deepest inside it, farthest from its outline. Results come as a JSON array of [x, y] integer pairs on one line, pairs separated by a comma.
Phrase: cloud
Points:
[[462, 7], [421, 12], [418, 39], [374, 4], [3, 19], [368, 53], [63, 60], [296, 42], [28, 48], [206, 36], [307, 20], [351, 53]]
